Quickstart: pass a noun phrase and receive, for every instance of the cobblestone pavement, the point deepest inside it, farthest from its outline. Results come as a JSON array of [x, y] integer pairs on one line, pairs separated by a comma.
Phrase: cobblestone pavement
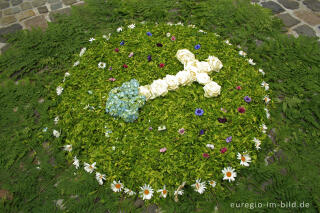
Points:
[[25, 14], [300, 17]]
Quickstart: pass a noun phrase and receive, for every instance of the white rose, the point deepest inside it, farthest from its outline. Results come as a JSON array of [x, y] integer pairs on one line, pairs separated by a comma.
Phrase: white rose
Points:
[[145, 90], [192, 68], [215, 63], [203, 67], [185, 56], [184, 78], [203, 78], [158, 88], [211, 89], [172, 82]]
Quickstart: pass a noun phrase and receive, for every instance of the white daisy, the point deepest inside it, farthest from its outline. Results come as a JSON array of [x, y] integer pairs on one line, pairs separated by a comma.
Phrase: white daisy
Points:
[[267, 113], [262, 72], [242, 53], [212, 183], [169, 23], [67, 74], [76, 162], [192, 26], [257, 143], [227, 42], [210, 146], [245, 159], [116, 186], [89, 168], [164, 192], [266, 99], [92, 39], [67, 147], [201, 31], [264, 128], [56, 133], [199, 187], [229, 174], [131, 26], [119, 29], [168, 35], [107, 37], [102, 65], [251, 62], [113, 148], [129, 191], [178, 192], [265, 85], [161, 128], [56, 120], [76, 63], [100, 177], [179, 23], [82, 51], [59, 90], [146, 192]]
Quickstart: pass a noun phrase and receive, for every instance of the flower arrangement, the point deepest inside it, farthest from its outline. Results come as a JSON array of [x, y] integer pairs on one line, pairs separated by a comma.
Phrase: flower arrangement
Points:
[[210, 104]]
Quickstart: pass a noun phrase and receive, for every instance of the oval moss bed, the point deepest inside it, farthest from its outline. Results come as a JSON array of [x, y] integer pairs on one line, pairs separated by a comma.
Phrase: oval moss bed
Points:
[[181, 138]]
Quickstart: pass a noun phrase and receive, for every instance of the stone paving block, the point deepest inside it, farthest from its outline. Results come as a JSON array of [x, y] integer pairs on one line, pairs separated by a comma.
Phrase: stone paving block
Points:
[[38, 21], [288, 20], [66, 11], [290, 4], [6, 30], [25, 14], [37, 3], [42, 9], [308, 17], [4, 4], [305, 30], [7, 20], [53, 1], [16, 2], [26, 6], [275, 8], [56, 6], [69, 2], [0, 13], [11, 11], [313, 5]]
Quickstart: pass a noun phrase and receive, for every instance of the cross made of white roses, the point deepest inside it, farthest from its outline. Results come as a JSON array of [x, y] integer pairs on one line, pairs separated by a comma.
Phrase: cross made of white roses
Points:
[[194, 70]]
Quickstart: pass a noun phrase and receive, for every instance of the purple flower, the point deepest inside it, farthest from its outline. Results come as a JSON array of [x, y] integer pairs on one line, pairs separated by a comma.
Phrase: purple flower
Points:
[[201, 132], [149, 34], [222, 120], [199, 112], [159, 45], [149, 58], [150, 128], [110, 68], [247, 99], [197, 46], [229, 139], [181, 131], [122, 43]]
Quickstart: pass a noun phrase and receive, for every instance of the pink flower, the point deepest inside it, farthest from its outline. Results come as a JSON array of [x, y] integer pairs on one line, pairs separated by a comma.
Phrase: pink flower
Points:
[[116, 50], [181, 131], [164, 149], [112, 79], [173, 38], [205, 155], [130, 55], [161, 65], [241, 109], [125, 66], [223, 150], [238, 88]]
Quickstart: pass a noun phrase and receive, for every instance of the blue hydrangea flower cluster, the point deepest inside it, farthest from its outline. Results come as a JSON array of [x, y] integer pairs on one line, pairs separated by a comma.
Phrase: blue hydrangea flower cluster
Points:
[[125, 101]]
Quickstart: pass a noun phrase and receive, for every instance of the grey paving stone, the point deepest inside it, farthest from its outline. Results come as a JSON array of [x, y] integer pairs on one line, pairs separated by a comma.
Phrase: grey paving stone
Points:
[[69, 2], [16, 2], [38, 21], [313, 5], [7, 20], [42, 9], [4, 5], [37, 3], [53, 1], [56, 6], [275, 8], [288, 20], [11, 10], [66, 11], [290, 4], [6, 30], [26, 6], [305, 30]]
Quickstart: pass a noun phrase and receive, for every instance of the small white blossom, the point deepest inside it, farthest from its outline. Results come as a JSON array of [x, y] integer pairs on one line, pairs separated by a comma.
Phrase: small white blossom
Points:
[[119, 29], [59, 90], [199, 187], [192, 26], [266, 99], [179, 23], [100, 177], [163, 192], [113, 148], [82, 51], [265, 85], [178, 192], [131, 26], [264, 128], [257, 143], [251, 62], [76, 162], [161, 128], [267, 113], [227, 42], [67, 147], [262, 72], [242, 53], [210, 146], [212, 183], [168, 35], [89, 168], [107, 37], [129, 192], [76, 63], [170, 23], [116, 186], [56, 120], [56, 133], [92, 39], [102, 65], [67, 74]]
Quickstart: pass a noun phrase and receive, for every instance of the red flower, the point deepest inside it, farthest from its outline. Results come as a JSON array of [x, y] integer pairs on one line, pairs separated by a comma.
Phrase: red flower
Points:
[[241, 109], [173, 38], [125, 66], [161, 65], [223, 150], [205, 155], [116, 50], [238, 88]]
